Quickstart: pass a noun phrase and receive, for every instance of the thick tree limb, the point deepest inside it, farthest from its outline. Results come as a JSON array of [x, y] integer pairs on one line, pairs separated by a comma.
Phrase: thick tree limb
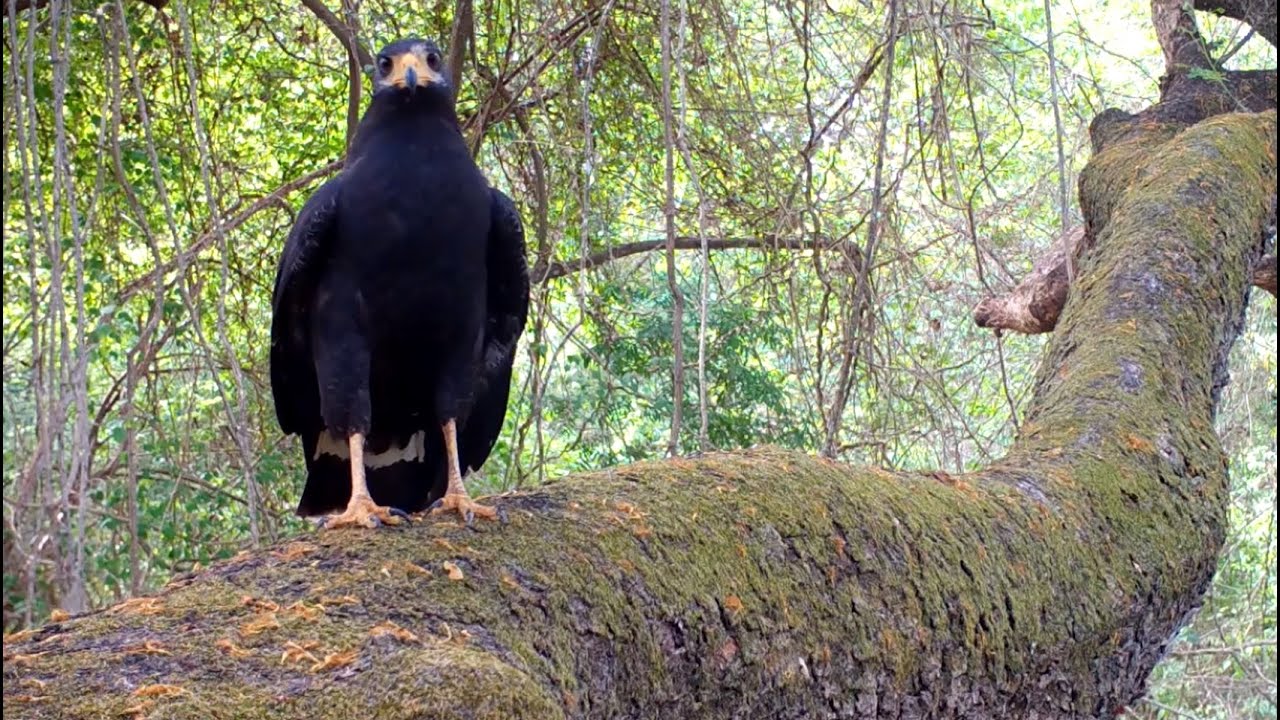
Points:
[[765, 583], [1033, 306], [1184, 48]]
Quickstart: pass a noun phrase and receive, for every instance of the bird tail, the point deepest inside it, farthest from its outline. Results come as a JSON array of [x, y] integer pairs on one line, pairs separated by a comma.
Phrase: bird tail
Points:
[[404, 472]]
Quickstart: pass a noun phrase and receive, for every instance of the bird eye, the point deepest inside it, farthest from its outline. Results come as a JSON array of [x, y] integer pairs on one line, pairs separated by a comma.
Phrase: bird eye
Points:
[[433, 60], [384, 64]]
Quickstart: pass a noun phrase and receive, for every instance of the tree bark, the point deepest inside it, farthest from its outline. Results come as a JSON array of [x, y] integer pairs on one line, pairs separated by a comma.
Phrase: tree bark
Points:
[[768, 583]]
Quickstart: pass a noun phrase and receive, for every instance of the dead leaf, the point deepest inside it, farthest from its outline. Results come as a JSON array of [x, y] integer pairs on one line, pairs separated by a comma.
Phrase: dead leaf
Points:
[[455, 572], [59, 616]]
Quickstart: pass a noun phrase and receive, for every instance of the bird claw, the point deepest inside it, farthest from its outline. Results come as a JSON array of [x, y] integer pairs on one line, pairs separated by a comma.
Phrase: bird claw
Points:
[[365, 513], [464, 506]]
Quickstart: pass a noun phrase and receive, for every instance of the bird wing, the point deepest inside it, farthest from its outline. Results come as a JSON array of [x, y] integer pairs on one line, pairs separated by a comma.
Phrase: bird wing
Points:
[[506, 309], [293, 379]]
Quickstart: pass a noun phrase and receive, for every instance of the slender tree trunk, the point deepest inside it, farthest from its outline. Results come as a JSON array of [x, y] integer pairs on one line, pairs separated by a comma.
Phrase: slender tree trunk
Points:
[[669, 215]]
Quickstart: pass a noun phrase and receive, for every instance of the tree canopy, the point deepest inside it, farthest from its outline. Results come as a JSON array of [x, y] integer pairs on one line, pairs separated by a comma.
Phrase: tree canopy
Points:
[[749, 224]]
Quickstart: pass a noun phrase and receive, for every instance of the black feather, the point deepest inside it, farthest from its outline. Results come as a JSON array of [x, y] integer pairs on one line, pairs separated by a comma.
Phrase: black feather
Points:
[[399, 301]]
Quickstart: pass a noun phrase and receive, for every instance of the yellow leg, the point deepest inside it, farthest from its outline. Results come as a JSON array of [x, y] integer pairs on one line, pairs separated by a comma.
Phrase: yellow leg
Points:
[[455, 495], [361, 510]]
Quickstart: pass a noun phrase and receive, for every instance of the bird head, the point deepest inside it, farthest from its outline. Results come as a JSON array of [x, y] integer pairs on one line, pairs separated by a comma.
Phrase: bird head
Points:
[[410, 66]]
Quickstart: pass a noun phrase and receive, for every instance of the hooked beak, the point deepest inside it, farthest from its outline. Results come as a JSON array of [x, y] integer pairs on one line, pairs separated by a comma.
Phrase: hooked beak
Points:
[[411, 78]]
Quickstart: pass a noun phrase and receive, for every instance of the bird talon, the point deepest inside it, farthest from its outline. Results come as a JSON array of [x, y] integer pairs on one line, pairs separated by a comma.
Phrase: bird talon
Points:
[[397, 512], [464, 506], [364, 512]]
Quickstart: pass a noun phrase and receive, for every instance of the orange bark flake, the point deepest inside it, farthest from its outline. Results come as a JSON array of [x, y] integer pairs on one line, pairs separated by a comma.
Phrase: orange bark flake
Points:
[[733, 604], [150, 647], [137, 606], [158, 690], [304, 611], [295, 550], [1139, 444], [726, 652], [139, 711], [230, 648], [59, 616], [259, 604], [294, 652], [262, 623], [20, 635], [333, 661], [386, 628], [23, 660]]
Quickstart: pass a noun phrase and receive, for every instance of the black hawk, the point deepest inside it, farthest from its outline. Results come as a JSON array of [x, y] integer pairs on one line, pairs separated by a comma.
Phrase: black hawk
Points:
[[398, 302]]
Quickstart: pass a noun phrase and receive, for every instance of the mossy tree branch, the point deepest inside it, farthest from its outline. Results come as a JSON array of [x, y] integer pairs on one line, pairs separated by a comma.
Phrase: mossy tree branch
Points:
[[767, 583]]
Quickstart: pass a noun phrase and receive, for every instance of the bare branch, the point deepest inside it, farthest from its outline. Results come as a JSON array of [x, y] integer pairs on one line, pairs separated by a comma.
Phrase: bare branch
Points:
[[560, 268], [344, 32], [459, 35], [1258, 14], [1034, 305], [204, 240]]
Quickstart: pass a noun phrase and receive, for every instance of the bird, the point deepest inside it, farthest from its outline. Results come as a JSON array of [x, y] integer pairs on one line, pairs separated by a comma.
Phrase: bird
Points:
[[399, 300]]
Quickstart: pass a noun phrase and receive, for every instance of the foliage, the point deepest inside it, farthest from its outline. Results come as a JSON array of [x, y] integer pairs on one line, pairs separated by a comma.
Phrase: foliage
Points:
[[153, 162]]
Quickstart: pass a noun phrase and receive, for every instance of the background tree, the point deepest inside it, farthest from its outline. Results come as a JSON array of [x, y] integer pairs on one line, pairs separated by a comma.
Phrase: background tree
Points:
[[844, 185]]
